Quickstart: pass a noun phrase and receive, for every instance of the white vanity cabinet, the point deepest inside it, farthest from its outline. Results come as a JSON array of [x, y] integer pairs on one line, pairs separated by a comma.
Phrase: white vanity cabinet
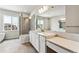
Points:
[[38, 40], [42, 44], [34, 39], [43, 38]]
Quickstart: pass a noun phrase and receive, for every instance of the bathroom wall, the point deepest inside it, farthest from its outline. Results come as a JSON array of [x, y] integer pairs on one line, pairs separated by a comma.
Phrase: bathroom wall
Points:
[[54, 23], [24, 25], [33, 23], [72, 18]]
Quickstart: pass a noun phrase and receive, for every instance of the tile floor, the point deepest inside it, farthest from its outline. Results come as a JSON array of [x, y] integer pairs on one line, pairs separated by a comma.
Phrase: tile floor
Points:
[[15, 46]]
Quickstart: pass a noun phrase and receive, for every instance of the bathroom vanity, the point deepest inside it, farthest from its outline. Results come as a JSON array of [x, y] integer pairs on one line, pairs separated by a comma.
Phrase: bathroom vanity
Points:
[[38, 40], [42, 40], [34, 39]]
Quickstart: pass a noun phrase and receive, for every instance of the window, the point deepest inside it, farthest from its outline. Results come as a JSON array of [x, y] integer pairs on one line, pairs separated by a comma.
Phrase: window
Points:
[[10, 22], [40, 23], [15, 23], [7, 22]]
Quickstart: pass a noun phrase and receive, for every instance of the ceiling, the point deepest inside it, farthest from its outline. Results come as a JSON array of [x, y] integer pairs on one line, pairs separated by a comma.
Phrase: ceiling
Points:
[[56, 11], [20, 8]]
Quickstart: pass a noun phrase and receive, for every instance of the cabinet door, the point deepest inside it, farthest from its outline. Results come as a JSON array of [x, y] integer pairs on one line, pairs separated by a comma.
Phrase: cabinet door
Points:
[[30, 34], [36, 42], [42, 44], [32, 38]]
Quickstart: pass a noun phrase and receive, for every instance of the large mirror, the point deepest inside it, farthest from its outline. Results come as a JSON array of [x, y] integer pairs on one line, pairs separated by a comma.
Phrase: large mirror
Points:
[[51, 18], [60, 18], [42, 23]]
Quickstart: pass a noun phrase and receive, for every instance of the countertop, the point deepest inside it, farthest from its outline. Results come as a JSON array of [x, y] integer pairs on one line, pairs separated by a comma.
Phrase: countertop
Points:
[[47, 34], [65, 43]]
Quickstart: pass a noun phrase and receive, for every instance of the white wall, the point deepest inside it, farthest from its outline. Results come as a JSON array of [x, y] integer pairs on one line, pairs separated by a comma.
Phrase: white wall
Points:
[[33, 23], [54, 23], [72, 18], [46, 23]]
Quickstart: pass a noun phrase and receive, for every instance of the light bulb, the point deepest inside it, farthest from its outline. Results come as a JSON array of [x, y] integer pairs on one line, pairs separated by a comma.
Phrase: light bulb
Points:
[[30, 17], [63, 18], [39, 11]]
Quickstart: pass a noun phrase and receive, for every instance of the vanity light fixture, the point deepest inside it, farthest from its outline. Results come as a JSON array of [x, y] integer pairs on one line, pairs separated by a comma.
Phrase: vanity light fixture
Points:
[[43, 9], [63, 19]]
